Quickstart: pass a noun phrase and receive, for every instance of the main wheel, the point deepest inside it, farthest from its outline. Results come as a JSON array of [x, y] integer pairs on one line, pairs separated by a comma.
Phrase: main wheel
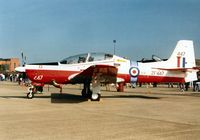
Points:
[[95, 97], [30, 95]]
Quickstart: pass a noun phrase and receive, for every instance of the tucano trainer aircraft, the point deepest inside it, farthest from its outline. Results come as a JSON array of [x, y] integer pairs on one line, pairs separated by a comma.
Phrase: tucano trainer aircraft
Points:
[[96, 68]]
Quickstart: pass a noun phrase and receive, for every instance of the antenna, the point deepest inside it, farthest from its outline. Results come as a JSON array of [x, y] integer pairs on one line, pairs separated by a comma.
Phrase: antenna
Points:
[[114, 41], [23, 58], [22, 55]]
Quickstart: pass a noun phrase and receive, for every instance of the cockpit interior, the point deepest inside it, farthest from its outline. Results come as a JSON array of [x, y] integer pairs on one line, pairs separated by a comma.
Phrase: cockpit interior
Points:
[[87, 57]]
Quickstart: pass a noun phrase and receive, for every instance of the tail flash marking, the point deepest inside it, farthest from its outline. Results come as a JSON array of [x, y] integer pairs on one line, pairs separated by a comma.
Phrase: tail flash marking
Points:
[[184, 62], [178, 61]]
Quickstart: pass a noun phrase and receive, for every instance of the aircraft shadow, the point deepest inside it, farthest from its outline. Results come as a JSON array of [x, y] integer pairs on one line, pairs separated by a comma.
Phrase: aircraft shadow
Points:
[[71, 98], [132, 96], [67, 98], [22, 97], [11, 97]]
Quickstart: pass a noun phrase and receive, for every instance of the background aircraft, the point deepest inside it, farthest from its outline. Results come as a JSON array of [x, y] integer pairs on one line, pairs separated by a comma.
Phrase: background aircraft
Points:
[[96, 68]]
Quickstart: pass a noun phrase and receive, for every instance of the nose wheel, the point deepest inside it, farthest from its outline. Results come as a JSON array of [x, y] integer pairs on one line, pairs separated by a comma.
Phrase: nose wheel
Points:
[[31, 91], [30, 95]]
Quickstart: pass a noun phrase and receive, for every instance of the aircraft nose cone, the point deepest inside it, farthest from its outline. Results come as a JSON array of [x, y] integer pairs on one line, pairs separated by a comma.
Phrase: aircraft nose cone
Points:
[[20, 69]]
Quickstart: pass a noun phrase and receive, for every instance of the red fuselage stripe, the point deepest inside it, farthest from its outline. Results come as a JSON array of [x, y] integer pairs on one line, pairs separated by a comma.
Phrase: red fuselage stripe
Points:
[[47, 76]]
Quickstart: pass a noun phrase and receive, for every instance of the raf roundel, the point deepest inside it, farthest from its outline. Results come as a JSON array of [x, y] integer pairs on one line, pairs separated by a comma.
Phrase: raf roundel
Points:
[[134, 71]]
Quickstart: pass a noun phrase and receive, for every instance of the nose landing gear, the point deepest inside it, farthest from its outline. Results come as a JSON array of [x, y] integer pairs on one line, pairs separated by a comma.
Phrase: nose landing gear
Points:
[[33, 89], [31, 92]]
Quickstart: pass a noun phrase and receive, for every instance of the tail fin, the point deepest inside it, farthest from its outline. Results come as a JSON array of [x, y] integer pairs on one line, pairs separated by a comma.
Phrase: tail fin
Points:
[[183, 55]]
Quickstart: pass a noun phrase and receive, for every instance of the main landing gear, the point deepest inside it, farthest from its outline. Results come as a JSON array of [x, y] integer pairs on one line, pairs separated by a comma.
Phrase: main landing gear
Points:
[[94, 95], [87, 93]]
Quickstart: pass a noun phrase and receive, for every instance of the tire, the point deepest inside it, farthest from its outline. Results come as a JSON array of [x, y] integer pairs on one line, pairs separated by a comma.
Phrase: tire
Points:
[[95, 97], [30, 95]]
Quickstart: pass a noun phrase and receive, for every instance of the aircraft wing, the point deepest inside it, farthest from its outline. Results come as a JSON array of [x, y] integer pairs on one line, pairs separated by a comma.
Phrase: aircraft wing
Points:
[[194, 69], [108, 74]]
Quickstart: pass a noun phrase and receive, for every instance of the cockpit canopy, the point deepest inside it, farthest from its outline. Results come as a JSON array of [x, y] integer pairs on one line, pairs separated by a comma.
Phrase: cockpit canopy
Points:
[[87, 57], [153, 59]]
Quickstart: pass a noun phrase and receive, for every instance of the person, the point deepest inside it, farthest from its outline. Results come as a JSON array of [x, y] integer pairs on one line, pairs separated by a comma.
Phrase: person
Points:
[[181, 86], [187, 86], [2, 77], [170, 85], [194, 85], [198, 86], [11, 77]]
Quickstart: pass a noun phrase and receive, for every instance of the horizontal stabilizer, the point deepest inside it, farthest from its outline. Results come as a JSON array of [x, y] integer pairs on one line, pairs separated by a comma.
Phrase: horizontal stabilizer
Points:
[[194, 69]]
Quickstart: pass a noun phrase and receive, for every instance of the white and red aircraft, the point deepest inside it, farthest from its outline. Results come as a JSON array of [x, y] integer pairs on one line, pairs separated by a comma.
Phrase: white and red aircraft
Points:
[[97, 68]]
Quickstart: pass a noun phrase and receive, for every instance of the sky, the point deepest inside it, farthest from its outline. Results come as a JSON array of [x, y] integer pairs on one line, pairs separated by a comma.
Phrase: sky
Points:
[[50, 30]]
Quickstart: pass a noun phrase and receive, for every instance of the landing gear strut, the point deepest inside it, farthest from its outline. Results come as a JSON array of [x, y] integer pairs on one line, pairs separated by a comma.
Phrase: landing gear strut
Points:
[[94, 95], [86, 92], [96, 88]]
